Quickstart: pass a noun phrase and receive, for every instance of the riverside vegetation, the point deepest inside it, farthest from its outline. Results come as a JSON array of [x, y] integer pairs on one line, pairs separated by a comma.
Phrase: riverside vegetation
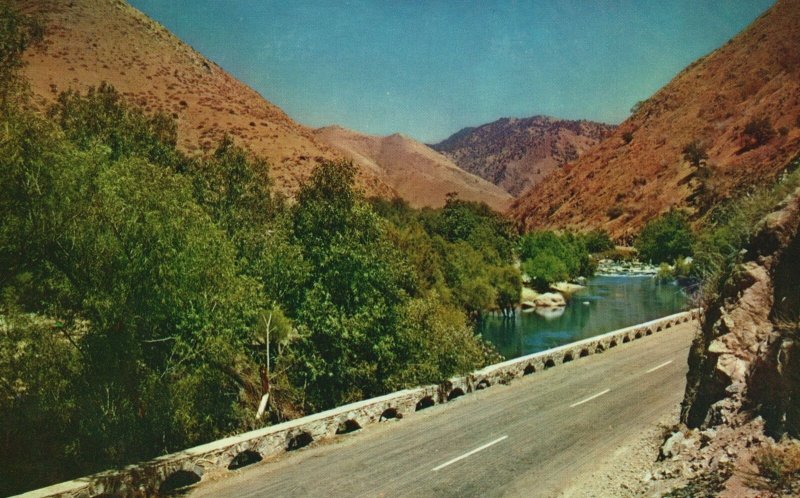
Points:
[[143, 291], [140, 288]]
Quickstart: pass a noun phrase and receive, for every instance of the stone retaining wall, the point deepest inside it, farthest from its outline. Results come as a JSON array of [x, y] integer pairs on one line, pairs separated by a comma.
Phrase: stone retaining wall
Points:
[[189, 465]]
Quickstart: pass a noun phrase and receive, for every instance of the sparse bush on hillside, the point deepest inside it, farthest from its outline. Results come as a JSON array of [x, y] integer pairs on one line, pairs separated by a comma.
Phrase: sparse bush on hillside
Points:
[[637, 106], [614, 212], [778, 468], [627, 137], [728, 228], [695, 152], [758, 131]]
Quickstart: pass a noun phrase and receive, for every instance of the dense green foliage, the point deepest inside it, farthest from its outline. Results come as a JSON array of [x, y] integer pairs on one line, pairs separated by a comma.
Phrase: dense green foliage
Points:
[[597, 241], [16, 34], [548, 257], [464, 252], [727, 230], [666, 238], [139, 287]]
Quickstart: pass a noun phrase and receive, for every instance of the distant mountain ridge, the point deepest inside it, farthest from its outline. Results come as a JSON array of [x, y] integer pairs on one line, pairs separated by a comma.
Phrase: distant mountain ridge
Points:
[[416, 172], [517, 153], [740, 105]]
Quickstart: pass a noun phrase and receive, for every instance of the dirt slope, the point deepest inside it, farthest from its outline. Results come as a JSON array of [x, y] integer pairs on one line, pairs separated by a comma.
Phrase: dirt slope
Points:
[[516, 154], [90, 41], [418, 173], [640, 171]]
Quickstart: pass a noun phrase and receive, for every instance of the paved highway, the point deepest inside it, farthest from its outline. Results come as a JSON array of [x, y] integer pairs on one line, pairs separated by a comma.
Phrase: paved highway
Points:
[[526, 439]]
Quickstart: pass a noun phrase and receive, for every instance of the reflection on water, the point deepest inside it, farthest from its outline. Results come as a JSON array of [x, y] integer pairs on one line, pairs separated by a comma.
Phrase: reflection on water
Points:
[[606, 304], [549, 313]]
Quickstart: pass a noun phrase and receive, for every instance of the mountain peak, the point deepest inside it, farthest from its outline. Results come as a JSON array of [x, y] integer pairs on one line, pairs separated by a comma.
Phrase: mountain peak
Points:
[[516, 153]]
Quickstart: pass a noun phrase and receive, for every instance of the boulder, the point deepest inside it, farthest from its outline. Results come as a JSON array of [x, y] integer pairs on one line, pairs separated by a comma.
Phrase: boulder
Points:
[[549, 300]]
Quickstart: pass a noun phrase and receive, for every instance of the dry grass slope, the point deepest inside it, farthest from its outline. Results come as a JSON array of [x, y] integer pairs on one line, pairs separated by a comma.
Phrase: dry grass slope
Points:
[[90, 41], [418, 173], [639, 171]]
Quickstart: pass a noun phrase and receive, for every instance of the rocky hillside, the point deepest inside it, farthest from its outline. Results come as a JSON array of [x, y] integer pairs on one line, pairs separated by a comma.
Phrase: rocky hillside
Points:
[[91, 41], [748, 357], [743, 387], [516, 154], [418, 173], [739, 105]]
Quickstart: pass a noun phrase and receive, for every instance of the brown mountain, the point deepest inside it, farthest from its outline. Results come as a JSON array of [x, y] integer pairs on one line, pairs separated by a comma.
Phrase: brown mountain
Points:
[[516, 154], [741, 104], [418, 173], [91, 41]]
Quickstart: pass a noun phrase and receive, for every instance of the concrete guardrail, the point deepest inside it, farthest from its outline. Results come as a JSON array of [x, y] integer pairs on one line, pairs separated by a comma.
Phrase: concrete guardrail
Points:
[[188, 466]]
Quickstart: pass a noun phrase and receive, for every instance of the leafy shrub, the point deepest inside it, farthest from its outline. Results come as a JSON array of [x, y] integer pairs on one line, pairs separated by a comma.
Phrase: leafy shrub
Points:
[[695, 152], [597, 241], [779, 468], [544, 269], [758, 131]]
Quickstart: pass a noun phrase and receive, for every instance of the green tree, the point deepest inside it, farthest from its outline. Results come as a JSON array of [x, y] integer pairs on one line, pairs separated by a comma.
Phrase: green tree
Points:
[[145, 286], [544, 247], [507, 281], [597, 241], [434, 343], [101, 117], [665, 238], [544, 269], [17, 33], [351, 313]]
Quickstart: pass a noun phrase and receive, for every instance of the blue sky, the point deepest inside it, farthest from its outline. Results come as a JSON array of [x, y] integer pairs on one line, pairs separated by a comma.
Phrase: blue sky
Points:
[[430, 68]]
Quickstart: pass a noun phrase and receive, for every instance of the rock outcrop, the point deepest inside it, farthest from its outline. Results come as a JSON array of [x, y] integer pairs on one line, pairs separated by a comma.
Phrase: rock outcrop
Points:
[[746, 361]]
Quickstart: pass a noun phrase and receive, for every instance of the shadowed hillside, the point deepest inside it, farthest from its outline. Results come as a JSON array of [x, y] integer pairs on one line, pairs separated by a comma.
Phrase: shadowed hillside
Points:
[[516, 154], [728, 121]]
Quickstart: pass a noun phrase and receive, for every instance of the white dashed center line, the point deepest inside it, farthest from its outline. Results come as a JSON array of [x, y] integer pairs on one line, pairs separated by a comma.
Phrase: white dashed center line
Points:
[[573, 405], [470, 453], [659, 366]]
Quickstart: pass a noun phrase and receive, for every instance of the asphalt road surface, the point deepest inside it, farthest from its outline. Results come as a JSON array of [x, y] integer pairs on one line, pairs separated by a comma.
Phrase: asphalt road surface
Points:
[[528, 439]]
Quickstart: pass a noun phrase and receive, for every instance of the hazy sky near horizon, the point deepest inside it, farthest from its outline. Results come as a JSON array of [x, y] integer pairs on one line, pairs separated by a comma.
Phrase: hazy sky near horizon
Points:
[[429, 68]]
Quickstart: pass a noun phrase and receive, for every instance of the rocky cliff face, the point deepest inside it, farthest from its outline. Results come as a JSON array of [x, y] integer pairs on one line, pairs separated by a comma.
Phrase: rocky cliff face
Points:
[[746, 361]]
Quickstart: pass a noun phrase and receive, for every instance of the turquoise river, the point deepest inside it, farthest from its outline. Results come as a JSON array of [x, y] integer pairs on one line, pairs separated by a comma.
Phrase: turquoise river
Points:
[[607, 303]]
